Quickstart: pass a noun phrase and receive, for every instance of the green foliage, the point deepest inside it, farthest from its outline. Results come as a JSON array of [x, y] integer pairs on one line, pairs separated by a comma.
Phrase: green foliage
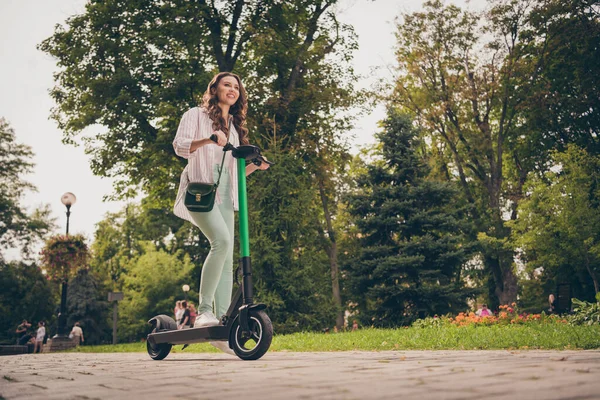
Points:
[[430, 322], [557, 227], [18, 228], [495, 99], [287, 259], [301, 87], [585, 313], [132, 68], [560, 54], [26, 294], [86, 304], [412, 241], [151, 286], [63, 256], [119, 237]]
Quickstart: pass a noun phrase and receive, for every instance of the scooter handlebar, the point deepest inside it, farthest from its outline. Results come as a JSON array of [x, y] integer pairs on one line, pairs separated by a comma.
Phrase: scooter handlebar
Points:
[[257, 161]]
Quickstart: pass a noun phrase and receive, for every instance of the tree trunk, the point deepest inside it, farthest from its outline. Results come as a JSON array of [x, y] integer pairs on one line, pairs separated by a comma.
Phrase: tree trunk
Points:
[[591, 272], [335, 285], [331, 250], [506, 287], [510, 287]]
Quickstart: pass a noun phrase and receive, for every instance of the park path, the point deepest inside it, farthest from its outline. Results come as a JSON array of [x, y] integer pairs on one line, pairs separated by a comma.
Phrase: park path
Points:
[[419, 375]]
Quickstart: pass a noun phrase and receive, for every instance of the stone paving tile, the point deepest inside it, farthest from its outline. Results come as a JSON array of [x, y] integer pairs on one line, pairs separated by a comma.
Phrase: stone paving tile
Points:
[[420, 375]]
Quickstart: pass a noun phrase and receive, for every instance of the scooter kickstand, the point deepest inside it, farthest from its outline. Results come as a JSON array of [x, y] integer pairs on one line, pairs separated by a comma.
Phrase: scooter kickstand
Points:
[[184, 346]]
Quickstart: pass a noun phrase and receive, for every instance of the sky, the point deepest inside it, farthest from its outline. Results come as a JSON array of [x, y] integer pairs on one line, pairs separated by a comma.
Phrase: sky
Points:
[[26, 75]]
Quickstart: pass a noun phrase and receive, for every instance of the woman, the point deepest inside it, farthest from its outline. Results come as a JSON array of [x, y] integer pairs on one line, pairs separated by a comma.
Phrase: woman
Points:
[[552, 304], [178, 312], [77, 334], [223, 113], [39, 337]]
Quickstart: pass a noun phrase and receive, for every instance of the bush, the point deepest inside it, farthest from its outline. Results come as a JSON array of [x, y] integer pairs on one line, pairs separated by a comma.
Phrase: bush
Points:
[[585, 313]]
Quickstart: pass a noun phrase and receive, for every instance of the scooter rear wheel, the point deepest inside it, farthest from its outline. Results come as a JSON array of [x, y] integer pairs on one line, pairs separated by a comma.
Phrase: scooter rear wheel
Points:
[[256, 345], [158, 351]]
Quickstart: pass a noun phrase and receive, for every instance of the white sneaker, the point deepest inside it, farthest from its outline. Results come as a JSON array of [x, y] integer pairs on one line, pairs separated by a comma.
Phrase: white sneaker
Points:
[[223, 346], [206, 319]]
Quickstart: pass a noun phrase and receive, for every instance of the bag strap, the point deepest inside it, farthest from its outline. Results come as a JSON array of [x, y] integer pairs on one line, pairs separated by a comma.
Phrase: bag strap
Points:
[[224, 153]]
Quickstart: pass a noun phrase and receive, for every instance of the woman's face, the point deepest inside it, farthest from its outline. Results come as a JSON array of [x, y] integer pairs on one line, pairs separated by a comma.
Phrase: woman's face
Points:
[[228, 91]]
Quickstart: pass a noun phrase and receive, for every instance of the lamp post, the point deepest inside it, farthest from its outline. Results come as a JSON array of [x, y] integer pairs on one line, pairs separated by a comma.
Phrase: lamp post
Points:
[[186, 289], [68, 199]]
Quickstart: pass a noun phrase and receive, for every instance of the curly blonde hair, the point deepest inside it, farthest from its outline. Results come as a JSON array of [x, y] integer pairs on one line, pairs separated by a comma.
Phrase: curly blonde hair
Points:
[[238, 111]]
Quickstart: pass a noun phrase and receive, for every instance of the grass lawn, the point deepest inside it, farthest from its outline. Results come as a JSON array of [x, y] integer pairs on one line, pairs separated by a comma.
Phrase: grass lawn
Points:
[[529, 336]]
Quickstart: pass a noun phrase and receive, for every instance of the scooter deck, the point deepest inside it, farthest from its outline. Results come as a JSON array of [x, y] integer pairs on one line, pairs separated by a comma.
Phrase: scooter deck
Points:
[[192, 335]]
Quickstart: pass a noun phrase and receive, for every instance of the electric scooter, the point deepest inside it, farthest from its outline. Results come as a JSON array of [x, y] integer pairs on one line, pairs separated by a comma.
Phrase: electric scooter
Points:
[[246, 326]]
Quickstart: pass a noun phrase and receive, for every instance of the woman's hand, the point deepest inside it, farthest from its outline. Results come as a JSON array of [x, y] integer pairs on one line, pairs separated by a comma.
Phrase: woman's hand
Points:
[[263, 165], [250, 168], [221, 138]]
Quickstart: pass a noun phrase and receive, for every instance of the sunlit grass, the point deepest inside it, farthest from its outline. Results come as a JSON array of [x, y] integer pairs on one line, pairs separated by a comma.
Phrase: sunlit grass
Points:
[[534, 336]]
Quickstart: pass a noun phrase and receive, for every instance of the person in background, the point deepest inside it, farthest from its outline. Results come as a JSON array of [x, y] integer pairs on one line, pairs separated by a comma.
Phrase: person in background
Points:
[[478, 312], [485, 311], [193, 314], [178, 312], [185, 318], [23, 336], [354, 325], [77, 334], [551, 304], [39, 337]]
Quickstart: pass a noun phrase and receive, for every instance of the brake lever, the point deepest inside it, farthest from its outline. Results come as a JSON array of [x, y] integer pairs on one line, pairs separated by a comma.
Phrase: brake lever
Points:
[[260, 159]]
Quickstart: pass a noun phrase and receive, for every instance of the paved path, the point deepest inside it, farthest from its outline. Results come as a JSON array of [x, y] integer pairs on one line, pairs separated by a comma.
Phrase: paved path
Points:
[[419, 375]]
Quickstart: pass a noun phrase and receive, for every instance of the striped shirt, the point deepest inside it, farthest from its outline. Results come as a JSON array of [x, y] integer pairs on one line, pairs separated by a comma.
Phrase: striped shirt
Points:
[[195, 125]]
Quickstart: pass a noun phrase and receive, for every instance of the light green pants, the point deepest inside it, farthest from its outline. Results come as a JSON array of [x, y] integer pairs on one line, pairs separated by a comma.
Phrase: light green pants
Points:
[[217, 225]]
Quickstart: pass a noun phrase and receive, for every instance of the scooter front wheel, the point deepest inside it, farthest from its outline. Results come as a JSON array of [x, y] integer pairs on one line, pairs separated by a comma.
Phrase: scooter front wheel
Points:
[[158, 351], [256, 344]]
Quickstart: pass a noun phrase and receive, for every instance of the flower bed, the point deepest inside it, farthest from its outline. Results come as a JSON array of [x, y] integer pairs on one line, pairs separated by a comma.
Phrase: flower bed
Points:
[[507, 315]]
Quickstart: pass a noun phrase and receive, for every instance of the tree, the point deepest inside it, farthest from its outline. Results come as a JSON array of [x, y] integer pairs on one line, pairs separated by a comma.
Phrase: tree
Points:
[[557, 226], [305, 78], [412, 235], [86, 304], [465, 83], [150, 287], [560, 51], [26, 294], [287, 256], [122, 236], [17, 227]]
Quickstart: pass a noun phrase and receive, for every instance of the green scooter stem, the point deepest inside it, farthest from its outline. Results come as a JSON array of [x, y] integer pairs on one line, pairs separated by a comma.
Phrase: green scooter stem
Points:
[[243, 209], [244, 244]]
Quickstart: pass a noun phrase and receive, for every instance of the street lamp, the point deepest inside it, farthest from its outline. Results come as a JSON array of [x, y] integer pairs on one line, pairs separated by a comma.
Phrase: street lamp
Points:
[[68, 199], [186, 289]]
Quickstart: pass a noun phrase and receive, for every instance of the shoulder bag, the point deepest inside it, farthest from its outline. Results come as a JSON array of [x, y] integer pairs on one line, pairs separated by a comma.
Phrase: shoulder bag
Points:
[[200, 196]]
